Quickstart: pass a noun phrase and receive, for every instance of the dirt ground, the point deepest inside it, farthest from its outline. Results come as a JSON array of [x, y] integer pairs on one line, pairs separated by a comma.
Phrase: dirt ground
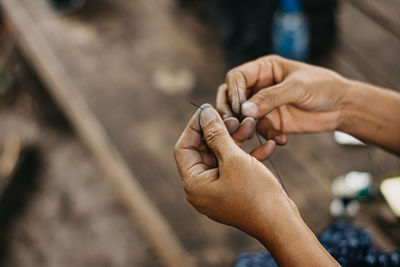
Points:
[[72, 218]]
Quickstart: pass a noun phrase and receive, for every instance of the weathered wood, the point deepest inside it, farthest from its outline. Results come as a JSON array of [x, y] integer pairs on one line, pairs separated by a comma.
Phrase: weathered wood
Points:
[[385, 13], [369, 48], [63, 89]]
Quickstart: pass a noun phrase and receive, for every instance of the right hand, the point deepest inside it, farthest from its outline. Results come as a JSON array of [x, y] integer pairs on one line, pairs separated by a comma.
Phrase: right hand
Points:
[[284, 95]]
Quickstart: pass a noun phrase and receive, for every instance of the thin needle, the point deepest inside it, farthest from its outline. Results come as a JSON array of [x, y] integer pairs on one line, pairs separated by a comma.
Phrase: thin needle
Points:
[[194, 104], [272, 163]]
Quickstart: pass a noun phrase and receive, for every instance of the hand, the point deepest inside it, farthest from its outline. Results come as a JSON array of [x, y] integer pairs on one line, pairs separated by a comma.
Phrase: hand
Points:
[[224, 182], [232, 187], [286, 96]]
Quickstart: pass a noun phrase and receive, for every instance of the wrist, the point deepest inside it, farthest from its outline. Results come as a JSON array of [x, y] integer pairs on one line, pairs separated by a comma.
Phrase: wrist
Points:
[[372, 114], [274, 213], [290, 241], [348, 106]]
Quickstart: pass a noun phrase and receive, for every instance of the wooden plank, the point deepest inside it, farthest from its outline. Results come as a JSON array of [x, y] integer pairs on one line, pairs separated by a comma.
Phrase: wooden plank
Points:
[[371, 49], [386, 13], [112, 55], [88, 127], [324, 160]]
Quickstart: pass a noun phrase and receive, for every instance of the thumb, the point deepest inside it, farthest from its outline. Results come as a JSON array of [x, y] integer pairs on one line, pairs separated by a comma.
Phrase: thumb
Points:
[[215, 132], [267, 99]]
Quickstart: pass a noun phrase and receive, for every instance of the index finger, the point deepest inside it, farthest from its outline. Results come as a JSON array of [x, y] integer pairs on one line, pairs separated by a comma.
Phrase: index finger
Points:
[[222, 103], [188, 149], [249, 78]]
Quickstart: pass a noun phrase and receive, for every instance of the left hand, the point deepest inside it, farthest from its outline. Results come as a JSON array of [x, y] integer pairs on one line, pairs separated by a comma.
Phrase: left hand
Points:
[[224, 182], [233, 187]]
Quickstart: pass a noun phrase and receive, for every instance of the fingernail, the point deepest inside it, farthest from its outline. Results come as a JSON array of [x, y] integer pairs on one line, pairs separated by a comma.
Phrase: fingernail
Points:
[[232, 124], [278, 139], [207, 115], [249, 109]]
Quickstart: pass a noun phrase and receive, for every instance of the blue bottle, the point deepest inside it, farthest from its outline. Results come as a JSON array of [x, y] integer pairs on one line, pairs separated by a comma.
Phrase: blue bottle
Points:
[[290, 32]]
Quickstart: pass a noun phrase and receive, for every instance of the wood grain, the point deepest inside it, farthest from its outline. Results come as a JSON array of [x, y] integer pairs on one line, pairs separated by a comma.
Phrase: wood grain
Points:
[[63, 89], [385, 13]]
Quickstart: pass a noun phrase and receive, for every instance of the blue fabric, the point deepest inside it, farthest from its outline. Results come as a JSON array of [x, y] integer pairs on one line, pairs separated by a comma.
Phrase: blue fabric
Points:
[[349, 244]]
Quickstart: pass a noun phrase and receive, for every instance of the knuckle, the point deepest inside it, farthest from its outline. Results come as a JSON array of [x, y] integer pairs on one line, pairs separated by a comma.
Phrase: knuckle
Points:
[[233, 74], [230, 74], [176, 148], [272, 57], [214, 134], [265, 94], [297, 81], [187, 187]]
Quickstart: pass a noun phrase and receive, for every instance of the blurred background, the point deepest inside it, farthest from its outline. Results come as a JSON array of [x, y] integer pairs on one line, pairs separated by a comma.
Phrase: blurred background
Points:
[[94, 95]]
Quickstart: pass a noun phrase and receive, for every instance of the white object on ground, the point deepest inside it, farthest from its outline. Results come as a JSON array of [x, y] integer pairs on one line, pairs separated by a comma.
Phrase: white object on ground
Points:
[[351, 184], [346, 139], [390, 189], [338, 209], [174, 81]]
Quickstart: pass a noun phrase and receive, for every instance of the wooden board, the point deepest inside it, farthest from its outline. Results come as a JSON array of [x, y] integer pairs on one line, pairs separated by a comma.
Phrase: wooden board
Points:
[[88, 127], [385, 13], [376, 50], [114, 52]]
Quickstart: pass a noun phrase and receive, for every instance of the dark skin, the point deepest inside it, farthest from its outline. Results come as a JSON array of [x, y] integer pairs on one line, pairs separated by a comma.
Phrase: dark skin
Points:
[[278, 97]]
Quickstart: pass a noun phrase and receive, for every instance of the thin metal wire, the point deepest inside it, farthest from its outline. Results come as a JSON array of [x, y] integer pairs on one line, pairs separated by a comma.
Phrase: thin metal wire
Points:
[[271, 162], [194, 104]]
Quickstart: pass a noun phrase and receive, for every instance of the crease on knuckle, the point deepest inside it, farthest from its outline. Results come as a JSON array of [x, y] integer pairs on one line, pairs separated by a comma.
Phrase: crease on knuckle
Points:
[[176, 149], [213, 135], [186, 186], [266, 95]]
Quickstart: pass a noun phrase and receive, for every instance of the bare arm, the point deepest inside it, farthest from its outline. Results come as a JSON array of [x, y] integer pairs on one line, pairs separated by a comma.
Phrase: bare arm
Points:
[[372, 114], [292, 97]]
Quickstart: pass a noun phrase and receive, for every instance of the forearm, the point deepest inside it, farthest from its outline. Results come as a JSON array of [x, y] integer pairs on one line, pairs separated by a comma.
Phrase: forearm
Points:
[[291, 242], [372, 114]]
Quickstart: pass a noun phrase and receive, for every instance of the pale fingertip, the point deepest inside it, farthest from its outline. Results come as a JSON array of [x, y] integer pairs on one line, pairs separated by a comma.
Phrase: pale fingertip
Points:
[[272, 146], [249, 109], [207, 114], [205, 106]]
